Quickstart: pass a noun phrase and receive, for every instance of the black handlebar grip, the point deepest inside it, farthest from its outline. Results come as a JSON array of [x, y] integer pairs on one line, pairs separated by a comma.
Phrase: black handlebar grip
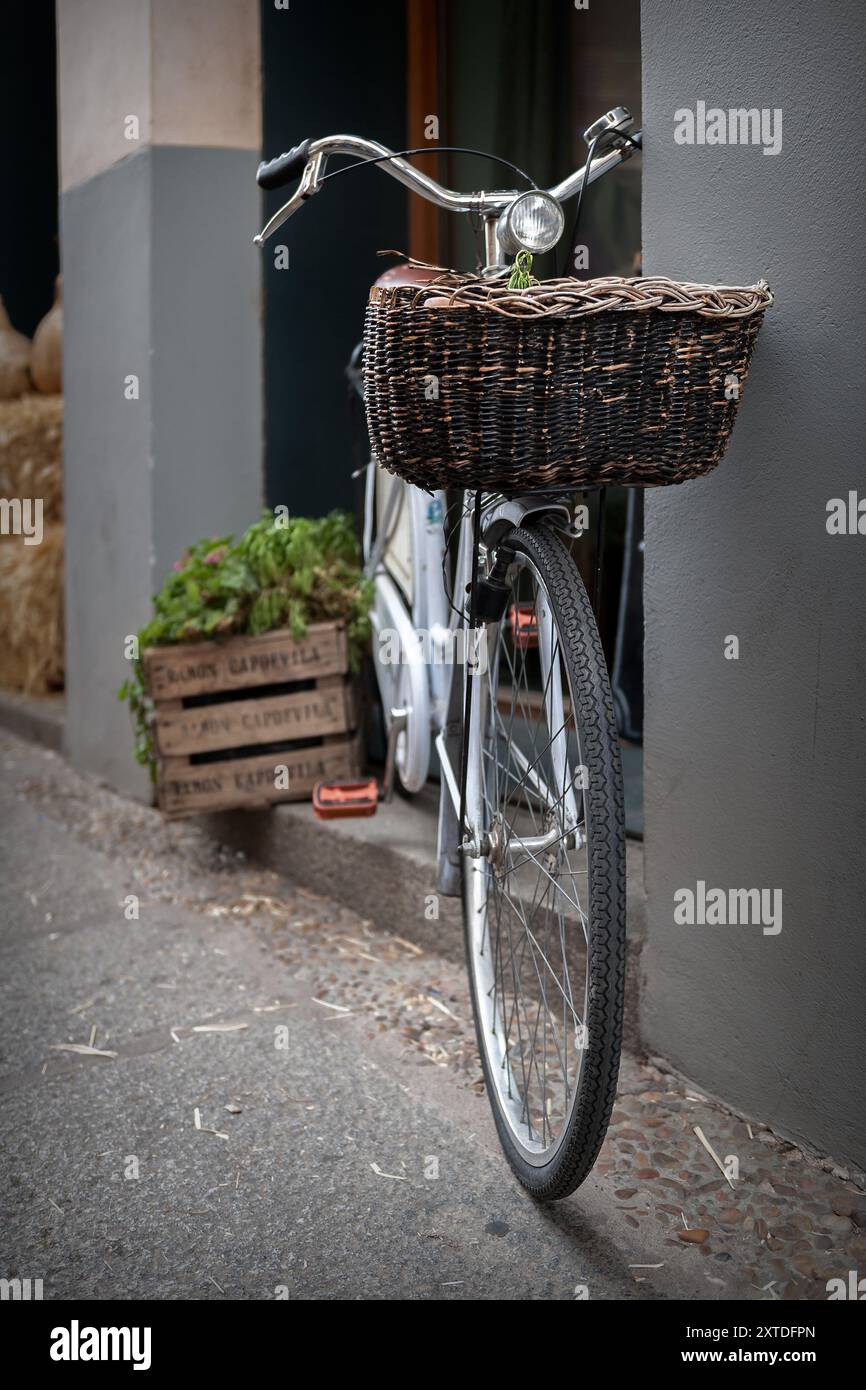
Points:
[[285, 167]]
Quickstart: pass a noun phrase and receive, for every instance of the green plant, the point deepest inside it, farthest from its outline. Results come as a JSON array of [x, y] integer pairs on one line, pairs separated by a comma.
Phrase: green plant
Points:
[[277, 574]]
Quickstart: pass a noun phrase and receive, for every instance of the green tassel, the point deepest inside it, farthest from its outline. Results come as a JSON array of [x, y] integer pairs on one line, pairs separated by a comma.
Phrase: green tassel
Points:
[[521, 276]]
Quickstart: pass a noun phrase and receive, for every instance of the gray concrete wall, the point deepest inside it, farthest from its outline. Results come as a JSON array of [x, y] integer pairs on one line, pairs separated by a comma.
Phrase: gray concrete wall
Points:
[[161, 282], [207, 335], [755, 767], [107, 451]]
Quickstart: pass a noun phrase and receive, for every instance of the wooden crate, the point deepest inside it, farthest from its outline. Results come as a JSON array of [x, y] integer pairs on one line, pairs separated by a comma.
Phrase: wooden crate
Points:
[[228, 715]]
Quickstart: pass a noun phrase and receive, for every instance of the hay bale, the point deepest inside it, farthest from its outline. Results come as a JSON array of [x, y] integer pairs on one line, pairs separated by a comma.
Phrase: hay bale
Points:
[[46, 356], [15, 352], [31, 451], [31, 612]]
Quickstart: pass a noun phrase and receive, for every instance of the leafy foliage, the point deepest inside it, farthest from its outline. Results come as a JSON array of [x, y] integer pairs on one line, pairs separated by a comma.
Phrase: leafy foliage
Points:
[[276, 575]]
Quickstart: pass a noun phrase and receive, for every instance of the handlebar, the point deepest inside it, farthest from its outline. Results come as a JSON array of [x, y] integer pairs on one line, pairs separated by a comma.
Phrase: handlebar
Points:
[[280, 171], [314, 154]]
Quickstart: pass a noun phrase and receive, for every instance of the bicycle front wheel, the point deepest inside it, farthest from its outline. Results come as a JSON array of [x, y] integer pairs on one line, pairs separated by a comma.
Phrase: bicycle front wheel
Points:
[[544, 879]]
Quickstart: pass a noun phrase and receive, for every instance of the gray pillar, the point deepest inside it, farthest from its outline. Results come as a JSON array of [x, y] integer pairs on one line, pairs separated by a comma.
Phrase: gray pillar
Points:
[[159, 140], [754, 767]]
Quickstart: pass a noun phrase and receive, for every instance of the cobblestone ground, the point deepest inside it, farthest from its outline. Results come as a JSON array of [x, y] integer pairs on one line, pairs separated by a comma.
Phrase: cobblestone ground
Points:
[[784, 1225]]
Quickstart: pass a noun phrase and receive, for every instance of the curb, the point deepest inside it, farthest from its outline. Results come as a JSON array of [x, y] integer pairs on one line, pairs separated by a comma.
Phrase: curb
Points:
[[39, 719]]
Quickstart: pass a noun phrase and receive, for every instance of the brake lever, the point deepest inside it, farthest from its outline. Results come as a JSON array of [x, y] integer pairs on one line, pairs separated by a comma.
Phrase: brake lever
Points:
[[310, 183]]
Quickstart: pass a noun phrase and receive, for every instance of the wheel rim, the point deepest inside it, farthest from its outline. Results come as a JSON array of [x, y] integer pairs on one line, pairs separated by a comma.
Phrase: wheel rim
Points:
[[527, 896]]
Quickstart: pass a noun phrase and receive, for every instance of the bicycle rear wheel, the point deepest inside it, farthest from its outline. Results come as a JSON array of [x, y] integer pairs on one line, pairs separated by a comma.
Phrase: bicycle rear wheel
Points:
[[544, 886]]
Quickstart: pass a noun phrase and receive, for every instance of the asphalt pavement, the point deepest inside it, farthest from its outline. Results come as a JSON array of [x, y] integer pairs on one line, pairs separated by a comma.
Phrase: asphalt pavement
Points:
[[205, 1094]]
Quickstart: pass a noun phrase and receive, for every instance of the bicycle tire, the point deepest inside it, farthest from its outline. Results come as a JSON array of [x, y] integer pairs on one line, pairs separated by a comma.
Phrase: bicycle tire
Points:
[[592, 705]]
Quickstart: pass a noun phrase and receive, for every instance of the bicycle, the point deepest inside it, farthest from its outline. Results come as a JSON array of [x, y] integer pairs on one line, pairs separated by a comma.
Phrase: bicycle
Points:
[[531, 831]]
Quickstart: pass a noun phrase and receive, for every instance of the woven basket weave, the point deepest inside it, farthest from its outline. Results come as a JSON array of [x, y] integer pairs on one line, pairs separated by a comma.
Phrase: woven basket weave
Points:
[[569, 383]]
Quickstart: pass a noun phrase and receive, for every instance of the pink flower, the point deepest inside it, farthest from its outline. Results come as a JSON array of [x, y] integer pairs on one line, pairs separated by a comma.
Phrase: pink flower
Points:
[[215, 555]]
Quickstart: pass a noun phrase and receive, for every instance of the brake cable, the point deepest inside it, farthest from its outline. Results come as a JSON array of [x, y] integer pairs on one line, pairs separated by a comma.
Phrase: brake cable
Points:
[[605, 135], [430, 149]]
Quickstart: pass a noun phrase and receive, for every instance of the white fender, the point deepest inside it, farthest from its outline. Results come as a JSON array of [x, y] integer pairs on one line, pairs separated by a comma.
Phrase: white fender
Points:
[[403, 679]]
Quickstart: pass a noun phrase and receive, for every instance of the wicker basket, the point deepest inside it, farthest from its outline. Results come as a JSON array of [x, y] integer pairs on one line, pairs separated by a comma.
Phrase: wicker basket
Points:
[[569, 383]]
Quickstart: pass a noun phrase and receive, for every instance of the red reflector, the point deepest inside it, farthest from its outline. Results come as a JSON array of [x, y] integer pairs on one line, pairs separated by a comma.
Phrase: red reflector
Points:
[[524, 625]]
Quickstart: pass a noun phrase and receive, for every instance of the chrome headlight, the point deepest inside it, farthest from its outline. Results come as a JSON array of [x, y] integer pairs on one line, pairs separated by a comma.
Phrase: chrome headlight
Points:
[[533, 222]]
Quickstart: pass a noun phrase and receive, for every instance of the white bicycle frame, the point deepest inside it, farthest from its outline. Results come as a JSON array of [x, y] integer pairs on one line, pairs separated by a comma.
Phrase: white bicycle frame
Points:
[[421, 636]]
